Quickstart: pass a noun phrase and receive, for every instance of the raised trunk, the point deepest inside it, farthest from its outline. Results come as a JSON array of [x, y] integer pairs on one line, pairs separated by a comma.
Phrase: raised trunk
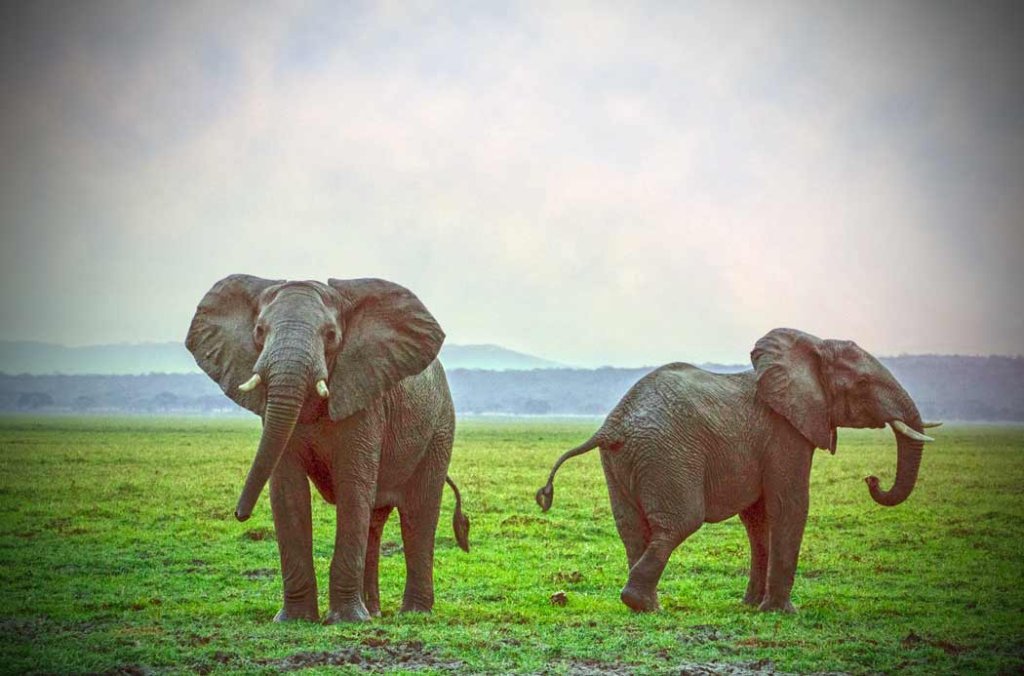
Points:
[[285, 395], [908, 459]]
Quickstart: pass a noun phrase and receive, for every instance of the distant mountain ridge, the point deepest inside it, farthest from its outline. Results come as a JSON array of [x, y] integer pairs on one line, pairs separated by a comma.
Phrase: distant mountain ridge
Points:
[[491, 358], [37, 358]]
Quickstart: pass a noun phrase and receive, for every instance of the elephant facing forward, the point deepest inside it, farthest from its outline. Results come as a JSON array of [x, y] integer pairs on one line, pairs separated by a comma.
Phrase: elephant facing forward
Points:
[[345, 377], [685, 447]]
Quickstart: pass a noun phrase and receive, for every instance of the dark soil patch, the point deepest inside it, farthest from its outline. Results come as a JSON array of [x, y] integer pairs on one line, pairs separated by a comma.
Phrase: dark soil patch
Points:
[[259, 534], [24, 629], [564, 576], [406, 656], [912, 640], [703, 633], [126, 670], [260, 573], [719, 669], [756, 668], [595, 668], [390, 548]]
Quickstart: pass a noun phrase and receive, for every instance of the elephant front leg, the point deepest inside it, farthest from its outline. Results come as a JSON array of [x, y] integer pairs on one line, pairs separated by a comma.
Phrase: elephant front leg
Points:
[[289, 503], [786, 531], [756, 523], [371, 579], [355, 504]]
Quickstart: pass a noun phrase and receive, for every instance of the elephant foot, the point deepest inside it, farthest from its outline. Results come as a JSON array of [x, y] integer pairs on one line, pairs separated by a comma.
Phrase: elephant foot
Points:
[[353, 612], [639, 602], [415, 601], [769, 606], [372, 606], [287, 614], [753, 599]]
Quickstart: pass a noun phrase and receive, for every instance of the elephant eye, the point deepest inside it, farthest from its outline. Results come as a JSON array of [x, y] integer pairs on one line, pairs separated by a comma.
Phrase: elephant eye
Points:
[[259, 333], [331, 336]]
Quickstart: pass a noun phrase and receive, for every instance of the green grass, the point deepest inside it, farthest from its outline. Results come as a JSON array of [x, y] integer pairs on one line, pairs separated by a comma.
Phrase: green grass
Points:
[[118, 551]]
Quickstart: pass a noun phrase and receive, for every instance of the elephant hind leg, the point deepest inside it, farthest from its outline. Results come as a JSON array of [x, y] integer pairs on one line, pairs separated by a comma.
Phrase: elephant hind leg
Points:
[[371, 579], [419, 526], [667, 532], [634, 531], [756, 522]]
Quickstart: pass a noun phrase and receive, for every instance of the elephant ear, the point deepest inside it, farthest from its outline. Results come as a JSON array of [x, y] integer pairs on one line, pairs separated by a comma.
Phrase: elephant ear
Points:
[[789, 369], [388, 335], [220, 337]]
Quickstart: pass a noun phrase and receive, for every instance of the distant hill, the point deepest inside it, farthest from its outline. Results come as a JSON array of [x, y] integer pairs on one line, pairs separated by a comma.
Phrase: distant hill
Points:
[[17, 357], [491, 358]]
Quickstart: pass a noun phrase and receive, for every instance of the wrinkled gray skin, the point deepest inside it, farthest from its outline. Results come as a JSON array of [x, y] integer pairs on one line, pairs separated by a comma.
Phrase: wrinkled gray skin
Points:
[[381, 439], [686, 447]]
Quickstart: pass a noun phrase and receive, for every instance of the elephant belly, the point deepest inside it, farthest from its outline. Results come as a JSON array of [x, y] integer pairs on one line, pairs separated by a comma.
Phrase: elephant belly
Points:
[[715, 511], [732, 482]]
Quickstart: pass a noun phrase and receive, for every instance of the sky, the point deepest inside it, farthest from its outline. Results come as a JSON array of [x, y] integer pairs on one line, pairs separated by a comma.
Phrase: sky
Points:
[[594, 183]]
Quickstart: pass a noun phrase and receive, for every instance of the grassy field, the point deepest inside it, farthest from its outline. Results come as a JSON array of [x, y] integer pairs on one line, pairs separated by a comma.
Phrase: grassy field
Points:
[[119, 553]]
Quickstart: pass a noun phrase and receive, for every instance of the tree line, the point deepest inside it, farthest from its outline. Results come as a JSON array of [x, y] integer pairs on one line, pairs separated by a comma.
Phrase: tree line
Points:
[[944, 387]]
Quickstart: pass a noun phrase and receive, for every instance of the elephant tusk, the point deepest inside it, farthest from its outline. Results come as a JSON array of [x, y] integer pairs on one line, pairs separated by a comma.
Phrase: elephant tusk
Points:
[[907, 431], [321, 389], [926, 425], [250, 384]]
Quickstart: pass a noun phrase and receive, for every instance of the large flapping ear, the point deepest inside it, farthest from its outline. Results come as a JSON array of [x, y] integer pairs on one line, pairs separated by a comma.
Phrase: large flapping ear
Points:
[[789, 369], [388, 335], [220, 337]]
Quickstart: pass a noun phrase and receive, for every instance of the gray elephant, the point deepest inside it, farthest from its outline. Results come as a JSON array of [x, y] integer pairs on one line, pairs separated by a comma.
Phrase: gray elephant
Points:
[[352, 397], [685, 447]]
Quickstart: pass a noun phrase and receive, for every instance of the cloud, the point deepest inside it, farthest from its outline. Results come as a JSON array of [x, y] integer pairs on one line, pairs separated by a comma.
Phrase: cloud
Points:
[[592, 184]]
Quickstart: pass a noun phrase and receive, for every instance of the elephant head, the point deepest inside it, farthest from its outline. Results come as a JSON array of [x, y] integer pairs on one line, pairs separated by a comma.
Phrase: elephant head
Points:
[[291, 350], [819, 385]]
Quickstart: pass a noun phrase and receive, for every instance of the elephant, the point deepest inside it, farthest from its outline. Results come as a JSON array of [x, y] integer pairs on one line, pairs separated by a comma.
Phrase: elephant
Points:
[[685, 447], [353, 398]]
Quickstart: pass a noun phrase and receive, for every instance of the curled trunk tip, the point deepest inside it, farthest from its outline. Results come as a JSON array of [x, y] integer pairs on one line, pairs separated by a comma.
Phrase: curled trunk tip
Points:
[[908, 462]]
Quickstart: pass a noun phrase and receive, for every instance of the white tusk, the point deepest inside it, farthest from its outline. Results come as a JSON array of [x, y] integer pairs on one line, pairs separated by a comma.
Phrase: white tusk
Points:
[[907, 431], [250, 384], [926, 425], [321, 389]]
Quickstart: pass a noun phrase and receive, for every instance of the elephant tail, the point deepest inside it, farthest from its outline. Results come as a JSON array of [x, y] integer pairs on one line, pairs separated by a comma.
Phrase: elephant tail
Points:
[[459, 521], [546, 493]]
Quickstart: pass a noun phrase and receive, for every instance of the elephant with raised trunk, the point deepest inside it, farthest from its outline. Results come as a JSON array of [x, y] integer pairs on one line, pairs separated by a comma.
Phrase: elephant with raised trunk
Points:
[[686, 447], [352, 397]]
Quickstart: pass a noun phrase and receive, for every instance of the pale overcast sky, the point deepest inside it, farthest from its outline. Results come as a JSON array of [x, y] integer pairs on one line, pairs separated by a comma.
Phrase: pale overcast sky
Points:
[[595, 183]]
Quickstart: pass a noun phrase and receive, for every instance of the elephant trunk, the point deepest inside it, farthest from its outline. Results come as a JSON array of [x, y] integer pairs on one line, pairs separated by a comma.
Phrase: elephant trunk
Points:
[[908, 457], [287, 388]]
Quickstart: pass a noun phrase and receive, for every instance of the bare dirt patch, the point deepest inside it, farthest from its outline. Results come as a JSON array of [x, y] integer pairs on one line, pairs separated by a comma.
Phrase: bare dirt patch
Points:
[[410, 656], [912, 640], [595, 668]]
